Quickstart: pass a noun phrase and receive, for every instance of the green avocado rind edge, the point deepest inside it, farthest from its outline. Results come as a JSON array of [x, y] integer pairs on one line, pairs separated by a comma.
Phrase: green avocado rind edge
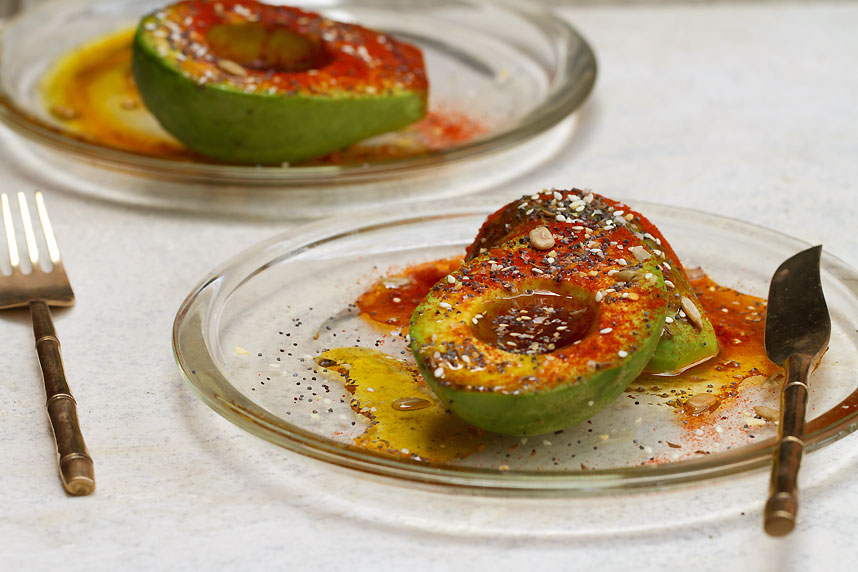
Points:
[[684, 348], [542, 411]]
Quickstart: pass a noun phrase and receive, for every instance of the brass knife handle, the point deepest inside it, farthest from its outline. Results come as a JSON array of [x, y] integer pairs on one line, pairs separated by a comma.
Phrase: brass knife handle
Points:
[[75, 465], [782, 506]]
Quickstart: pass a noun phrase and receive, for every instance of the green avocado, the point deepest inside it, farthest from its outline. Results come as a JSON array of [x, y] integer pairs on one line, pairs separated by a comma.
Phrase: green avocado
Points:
[[688, 337], [528, 337], [244, 82]]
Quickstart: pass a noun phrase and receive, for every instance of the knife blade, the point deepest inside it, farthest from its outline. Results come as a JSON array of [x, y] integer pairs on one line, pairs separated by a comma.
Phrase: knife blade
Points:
[[798, 328]]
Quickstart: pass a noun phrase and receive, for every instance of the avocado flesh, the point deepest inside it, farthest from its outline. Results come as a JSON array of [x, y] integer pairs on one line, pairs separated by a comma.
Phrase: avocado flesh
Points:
[[684, 342], [223, 116], [532, 392], [548, 410]]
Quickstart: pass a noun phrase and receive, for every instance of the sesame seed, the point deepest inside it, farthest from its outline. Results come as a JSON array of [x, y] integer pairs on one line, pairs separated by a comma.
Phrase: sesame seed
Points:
[[623, 353], [445, 305], [451, 279], [232, 68], [606, 330], [692, 312], [669, 284], [640, 253]]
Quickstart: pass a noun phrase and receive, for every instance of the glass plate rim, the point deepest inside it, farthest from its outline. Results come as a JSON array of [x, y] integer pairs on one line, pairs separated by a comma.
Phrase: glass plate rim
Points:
[[560, 102], [259, 422]]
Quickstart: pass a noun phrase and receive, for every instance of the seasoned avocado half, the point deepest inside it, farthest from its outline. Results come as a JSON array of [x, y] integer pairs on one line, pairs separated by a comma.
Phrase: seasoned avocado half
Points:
[[688, 337], [525, 341], [246, 82]]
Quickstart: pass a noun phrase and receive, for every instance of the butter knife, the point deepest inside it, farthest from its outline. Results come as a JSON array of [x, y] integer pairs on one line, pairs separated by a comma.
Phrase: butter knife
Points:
[[798, 328]]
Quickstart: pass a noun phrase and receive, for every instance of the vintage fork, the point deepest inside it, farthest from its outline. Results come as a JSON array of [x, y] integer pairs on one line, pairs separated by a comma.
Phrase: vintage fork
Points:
[[40, 289]]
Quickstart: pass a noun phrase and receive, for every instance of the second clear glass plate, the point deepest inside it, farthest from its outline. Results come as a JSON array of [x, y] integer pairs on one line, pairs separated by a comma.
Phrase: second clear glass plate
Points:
[[514, 67]]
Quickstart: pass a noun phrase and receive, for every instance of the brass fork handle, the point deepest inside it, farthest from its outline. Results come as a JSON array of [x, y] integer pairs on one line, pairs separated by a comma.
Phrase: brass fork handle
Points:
[[782, 506], [75, 464]]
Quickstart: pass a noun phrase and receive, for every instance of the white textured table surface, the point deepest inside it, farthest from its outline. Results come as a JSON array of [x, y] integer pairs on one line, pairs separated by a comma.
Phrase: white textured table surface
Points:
[[743, 110]]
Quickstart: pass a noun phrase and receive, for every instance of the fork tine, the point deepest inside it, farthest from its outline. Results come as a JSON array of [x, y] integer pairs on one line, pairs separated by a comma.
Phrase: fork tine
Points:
[[47, 229], [11, 243], [29, 235]]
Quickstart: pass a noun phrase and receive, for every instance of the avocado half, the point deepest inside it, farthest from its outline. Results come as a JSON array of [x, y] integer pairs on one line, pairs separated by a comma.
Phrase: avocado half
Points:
[[522, 340], [246, 82], [688, 337]]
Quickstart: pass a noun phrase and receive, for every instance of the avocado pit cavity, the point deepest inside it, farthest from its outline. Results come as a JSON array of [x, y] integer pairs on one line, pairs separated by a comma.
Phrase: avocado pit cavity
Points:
[[536, 322], [256, 46]]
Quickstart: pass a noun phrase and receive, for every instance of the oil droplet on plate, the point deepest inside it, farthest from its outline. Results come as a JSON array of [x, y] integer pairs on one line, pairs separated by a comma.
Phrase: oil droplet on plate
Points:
[[701, 403], [410, 403], [377, 383]]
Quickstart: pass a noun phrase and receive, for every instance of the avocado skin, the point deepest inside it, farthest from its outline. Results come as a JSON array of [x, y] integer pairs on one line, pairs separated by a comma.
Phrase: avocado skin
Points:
[[542, 411], [683, 343], [684, 347], [227, 124], [520, 394]]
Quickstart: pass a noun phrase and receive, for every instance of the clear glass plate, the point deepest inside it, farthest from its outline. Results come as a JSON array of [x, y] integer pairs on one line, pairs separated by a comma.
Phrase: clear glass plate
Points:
[[515, 67], [277, 298]]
